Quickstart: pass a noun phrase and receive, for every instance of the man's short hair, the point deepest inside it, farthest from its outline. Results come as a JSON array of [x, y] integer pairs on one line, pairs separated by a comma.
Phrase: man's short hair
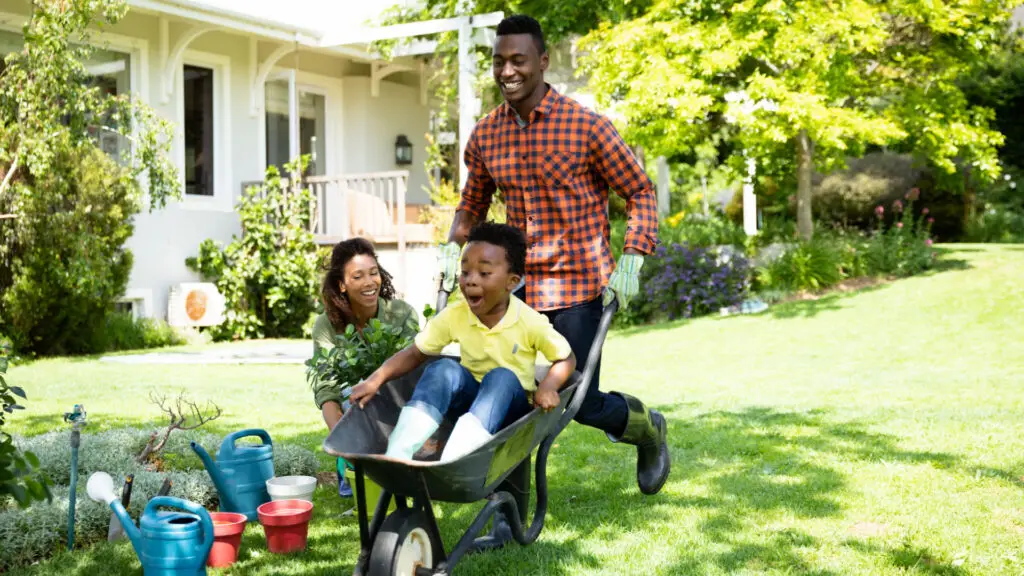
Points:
[[505, 236], [523, 24]]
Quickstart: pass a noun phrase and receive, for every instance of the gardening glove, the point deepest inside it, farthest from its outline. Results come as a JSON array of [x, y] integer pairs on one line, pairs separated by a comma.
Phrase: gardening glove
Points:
[[448, 255], [624, 283]]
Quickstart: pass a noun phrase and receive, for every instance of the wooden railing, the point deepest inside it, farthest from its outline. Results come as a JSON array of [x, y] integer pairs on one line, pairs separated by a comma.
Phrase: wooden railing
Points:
[[371, 205]]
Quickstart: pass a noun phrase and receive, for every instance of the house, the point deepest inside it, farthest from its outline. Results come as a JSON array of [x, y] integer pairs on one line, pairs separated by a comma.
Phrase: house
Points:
[[247, 85]]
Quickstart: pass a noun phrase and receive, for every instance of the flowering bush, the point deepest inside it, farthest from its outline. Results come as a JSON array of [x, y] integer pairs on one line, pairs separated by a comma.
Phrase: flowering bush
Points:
[[904, 248], [682, 281]]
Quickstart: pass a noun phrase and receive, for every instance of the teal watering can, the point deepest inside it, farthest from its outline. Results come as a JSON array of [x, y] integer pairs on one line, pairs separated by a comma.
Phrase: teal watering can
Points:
[[241, 472], [167, 543]]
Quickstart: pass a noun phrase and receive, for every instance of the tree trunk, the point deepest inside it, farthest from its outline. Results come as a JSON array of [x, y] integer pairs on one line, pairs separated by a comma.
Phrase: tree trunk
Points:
[[968, 201], [804, 171]]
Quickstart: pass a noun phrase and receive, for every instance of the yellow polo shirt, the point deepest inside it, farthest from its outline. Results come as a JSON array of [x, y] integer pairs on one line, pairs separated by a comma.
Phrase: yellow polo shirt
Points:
[[513, 343]]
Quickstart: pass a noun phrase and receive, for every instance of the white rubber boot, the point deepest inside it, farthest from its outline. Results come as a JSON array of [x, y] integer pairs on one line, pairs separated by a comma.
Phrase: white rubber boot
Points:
[[467, 435], [413, 429]]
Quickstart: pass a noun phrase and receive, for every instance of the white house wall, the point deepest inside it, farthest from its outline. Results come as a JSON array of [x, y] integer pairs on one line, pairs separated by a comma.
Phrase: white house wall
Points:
[[372, 123], [364, 132]]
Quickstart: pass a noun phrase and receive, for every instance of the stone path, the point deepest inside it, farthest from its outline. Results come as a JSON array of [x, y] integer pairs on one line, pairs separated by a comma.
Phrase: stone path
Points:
[[273, 353]]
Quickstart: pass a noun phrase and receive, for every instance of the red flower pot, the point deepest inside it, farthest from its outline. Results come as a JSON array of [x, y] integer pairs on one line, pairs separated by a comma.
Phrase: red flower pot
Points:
[[286, 524], [227, 538]]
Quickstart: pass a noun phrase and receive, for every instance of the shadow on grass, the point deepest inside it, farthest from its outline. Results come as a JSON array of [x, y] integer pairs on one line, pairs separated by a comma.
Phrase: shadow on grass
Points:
[[732, 471], [764, 460], [909, 559]]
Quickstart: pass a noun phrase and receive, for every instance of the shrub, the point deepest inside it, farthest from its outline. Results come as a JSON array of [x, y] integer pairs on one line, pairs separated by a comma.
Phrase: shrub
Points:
[[125, 332], [997, 223], [680, 281], [35, 534], [268, 276], [904, 247], [698, 231], [20, 477], [848, 197], [61, 287], [813, 265]]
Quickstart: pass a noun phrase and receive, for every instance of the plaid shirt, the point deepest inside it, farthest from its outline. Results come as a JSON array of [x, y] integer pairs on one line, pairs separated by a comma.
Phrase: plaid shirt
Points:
[[554, 171]]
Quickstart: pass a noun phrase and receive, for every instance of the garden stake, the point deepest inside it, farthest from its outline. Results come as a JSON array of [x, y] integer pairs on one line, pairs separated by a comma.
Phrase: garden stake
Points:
[[77, 419]]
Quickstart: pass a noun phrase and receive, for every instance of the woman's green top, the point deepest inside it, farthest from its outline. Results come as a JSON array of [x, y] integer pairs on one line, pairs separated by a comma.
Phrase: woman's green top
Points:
[[391, 312]]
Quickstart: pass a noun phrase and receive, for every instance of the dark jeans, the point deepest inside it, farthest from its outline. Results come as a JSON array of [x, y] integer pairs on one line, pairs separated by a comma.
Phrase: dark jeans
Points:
[[606, 412], [447, 388]]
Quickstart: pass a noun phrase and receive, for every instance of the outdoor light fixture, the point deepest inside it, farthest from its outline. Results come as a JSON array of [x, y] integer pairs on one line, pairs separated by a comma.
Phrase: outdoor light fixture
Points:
[[403, 150]]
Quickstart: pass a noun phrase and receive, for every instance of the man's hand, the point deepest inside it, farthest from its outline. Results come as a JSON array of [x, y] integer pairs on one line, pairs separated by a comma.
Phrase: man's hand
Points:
[[546, 399], [624, 283], [448, 255], [365, 390]]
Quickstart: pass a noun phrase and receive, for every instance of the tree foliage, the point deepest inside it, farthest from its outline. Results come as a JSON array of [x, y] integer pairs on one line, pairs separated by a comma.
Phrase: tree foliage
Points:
[[48, 105], [66, 208], [804, 84]]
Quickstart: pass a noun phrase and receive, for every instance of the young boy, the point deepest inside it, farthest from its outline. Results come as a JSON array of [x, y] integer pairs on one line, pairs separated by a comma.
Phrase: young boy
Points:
[[499, 338]]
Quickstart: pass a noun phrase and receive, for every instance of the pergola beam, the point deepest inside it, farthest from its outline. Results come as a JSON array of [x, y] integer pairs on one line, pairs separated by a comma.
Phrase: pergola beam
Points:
[[367, 35]]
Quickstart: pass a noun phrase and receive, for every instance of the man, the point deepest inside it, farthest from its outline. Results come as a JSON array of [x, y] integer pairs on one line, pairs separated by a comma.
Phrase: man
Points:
[[554, 161]]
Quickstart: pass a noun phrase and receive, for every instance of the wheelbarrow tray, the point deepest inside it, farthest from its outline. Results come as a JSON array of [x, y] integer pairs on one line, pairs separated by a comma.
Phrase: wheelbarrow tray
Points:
[[361, 437]]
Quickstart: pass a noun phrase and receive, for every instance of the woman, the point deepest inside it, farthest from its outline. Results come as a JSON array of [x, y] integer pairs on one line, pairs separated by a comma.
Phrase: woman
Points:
[[355, 290]]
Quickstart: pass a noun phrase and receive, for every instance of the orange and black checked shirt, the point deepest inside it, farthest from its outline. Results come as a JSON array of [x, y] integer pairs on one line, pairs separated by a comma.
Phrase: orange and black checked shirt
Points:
[[554, 173]]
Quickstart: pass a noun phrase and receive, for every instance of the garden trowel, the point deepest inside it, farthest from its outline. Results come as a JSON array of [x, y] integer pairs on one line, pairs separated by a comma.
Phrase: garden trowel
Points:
[[115, 530]]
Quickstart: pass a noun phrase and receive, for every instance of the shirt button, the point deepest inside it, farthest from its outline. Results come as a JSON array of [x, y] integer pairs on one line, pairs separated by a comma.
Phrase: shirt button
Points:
[[524, 156], [530, 218]]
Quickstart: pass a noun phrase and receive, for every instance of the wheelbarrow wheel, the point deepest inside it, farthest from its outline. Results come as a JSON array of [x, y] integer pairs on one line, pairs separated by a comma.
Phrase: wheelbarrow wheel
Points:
[[403, 545]]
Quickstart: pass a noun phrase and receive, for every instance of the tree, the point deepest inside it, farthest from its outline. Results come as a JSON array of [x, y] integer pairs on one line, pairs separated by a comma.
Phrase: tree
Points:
[[811, 81], [66, 208]]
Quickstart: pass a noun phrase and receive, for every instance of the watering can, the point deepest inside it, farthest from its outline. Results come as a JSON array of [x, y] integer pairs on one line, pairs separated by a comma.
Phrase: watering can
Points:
[[241, 472], [167, 543]]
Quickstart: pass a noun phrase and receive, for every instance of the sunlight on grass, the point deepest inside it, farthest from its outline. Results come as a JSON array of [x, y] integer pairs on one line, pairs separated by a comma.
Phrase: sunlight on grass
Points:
[[872, 433]]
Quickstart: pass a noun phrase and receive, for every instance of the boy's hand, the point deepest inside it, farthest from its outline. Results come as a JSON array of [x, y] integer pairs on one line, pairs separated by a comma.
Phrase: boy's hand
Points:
[[546, 399], [365, 390]]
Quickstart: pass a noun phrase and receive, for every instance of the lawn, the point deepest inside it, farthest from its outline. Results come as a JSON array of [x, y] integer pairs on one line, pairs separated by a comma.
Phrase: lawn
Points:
[[876, 432]]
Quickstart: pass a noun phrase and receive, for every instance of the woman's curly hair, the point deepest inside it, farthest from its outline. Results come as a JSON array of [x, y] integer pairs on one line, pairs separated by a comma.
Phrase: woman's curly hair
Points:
[[336, 304]]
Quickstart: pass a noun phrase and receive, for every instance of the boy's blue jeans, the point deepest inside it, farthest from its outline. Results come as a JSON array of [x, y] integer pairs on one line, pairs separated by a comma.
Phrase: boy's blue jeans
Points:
[[447, 389]]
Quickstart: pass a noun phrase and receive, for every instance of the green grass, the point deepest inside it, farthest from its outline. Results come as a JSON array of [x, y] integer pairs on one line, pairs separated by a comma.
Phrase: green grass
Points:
[[870, 433]]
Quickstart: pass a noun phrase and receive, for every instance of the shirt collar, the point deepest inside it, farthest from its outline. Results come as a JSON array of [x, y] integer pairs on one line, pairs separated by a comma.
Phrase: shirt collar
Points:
[[512, 314], [543, 107]]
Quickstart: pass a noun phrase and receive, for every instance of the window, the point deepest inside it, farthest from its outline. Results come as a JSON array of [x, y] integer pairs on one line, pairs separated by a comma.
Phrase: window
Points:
[[312, 123], [198, 130], [110, 72]]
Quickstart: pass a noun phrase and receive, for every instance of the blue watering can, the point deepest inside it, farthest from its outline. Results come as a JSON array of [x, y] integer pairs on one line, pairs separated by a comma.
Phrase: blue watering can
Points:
[[241, 472], [167, 543]]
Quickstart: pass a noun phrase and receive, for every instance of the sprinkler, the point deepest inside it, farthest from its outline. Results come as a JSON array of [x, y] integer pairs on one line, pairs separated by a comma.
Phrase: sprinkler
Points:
[[77, 419]]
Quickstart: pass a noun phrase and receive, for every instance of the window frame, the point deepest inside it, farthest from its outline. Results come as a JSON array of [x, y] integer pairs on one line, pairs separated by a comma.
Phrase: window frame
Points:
[[221, 200]]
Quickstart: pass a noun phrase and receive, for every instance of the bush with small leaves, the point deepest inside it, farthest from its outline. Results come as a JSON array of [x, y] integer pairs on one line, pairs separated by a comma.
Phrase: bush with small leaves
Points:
[[33, 534]]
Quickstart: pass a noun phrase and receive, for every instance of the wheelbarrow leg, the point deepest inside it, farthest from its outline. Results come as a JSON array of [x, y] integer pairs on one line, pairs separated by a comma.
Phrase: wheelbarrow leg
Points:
[[368, 530], [518, 487]]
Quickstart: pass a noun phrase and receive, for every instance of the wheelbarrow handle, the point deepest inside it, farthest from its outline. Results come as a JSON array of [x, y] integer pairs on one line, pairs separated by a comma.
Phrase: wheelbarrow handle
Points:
[[590, 367]]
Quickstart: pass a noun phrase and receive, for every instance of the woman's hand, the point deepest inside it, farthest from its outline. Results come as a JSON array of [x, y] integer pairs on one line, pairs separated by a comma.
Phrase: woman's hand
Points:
[[365, 390]]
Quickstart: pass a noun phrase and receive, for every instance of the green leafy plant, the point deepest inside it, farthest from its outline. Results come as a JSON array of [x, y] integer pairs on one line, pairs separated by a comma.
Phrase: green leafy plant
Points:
[[813, 265], [66, 208], [268, 276], [20, 476], [356, 354]]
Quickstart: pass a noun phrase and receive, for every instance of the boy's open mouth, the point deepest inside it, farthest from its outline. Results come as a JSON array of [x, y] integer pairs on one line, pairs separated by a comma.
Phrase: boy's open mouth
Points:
[[474, 301]]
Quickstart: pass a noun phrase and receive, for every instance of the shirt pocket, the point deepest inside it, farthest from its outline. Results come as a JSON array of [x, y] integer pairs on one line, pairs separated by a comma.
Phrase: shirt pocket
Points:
[[561, 170]]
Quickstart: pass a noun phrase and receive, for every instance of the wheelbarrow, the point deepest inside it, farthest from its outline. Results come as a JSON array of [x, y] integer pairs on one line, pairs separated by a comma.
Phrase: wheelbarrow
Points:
[[407, 542]]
